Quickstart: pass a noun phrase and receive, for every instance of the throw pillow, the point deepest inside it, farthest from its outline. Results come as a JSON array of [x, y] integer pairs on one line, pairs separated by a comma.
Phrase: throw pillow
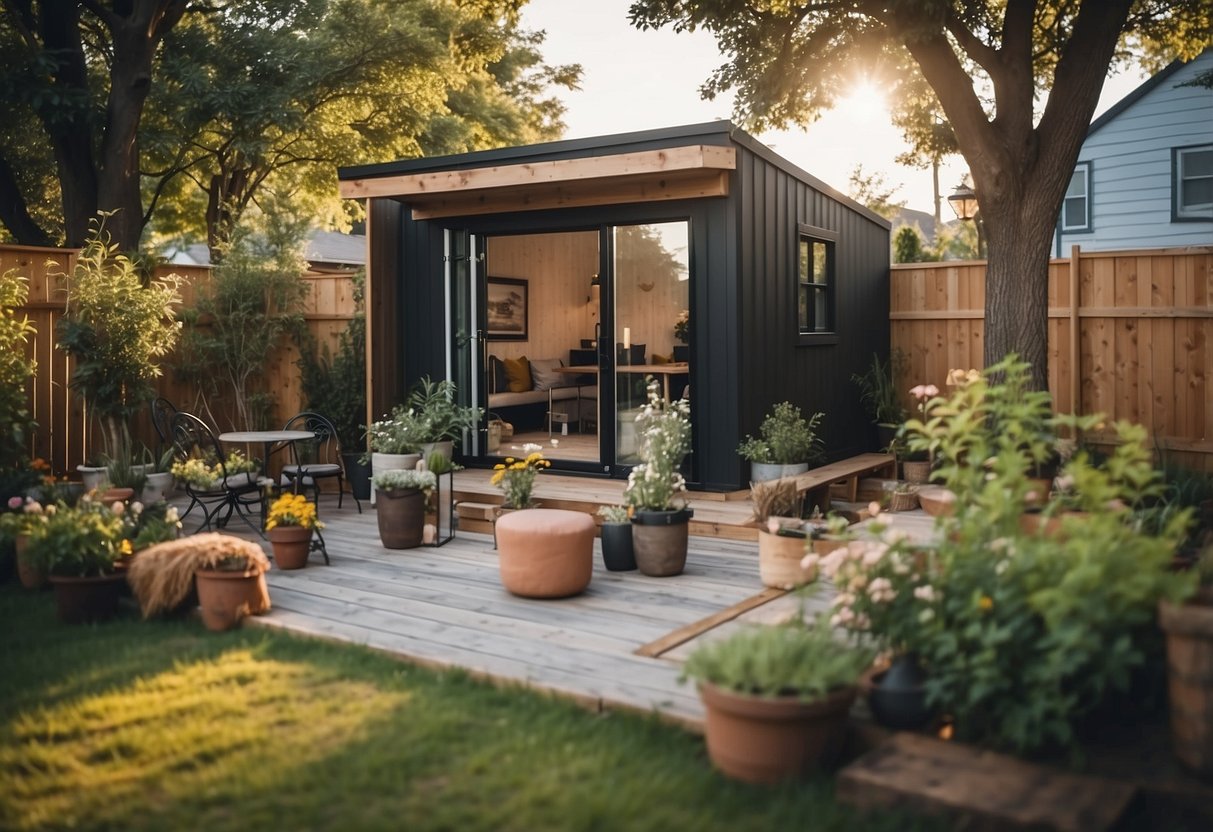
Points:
[[498, 381], [545, 375], [660, 359], [518, 371]]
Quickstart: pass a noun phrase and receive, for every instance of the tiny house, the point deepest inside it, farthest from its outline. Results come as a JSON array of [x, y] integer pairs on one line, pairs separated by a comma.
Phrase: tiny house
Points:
[[552, 282]]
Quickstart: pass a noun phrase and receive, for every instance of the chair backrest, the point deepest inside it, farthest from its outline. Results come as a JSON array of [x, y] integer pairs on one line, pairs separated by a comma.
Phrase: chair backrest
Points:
[[162, 418], [325, 447], [192, 437]]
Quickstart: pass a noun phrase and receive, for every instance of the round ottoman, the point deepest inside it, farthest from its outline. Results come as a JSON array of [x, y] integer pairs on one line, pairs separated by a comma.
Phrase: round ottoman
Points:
[[545, 553]]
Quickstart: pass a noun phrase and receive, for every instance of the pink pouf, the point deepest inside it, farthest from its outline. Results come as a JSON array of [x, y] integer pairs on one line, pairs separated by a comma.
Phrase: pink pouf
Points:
[[545, 553]]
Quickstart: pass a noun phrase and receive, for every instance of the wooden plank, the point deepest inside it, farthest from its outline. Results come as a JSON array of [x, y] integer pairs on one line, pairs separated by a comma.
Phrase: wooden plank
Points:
[[980, 788], [667, 160], [684, 634], [846, 469]]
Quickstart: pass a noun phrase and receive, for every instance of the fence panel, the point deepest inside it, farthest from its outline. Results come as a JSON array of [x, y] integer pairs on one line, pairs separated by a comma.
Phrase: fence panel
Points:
[[1130, 336], [63, 436]]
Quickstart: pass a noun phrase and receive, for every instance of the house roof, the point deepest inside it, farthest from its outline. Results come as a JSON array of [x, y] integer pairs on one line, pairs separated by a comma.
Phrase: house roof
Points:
[[322, 248], [1144, 89], [520, 161]]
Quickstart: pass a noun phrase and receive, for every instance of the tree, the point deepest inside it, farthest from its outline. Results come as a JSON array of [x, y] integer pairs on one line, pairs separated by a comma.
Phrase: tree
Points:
[[874, 191], [988, 62], [907, 245]]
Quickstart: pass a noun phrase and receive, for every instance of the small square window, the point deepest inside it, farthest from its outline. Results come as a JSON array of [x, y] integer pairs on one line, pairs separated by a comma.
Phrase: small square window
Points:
[[1076, 209], [1194, 183]]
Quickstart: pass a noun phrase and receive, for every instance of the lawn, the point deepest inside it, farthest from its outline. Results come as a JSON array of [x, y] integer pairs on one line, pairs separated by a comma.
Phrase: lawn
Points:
[[132, 725]]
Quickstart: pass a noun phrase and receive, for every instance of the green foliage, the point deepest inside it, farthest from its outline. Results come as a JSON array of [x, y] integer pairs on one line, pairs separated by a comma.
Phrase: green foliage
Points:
[[404, 479], [878, 388], [147, 525], [80, 541], [908, 246], [116, 326], [252, 305], [122, 472], [873, 191], [440, 417], [335, 386], [787, 437], [613, 514], [781, 660], [16, 369]]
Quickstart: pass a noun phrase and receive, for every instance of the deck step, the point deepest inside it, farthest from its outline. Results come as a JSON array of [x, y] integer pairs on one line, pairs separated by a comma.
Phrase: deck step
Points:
[[982, 789]]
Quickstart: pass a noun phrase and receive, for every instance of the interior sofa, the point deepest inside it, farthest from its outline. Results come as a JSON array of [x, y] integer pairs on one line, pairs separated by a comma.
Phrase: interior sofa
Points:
[[543, 384]]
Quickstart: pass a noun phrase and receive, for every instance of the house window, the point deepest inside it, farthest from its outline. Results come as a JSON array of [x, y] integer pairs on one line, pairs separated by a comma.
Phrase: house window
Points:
[[1076, 210], [815, 281], [1193, 182]]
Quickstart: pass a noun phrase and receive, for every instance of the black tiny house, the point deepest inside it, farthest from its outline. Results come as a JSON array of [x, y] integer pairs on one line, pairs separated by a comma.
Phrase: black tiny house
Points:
[[594, 259]]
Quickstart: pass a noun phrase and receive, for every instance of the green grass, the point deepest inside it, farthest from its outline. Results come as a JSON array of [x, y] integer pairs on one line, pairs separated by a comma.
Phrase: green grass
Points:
[[161, 725]]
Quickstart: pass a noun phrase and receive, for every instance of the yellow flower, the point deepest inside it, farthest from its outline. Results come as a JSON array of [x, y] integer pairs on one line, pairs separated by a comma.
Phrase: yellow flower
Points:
[[126, 549], [986, 603]]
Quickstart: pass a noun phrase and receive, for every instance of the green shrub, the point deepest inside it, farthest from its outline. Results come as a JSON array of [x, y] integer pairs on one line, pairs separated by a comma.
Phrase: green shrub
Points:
[[787, 437]]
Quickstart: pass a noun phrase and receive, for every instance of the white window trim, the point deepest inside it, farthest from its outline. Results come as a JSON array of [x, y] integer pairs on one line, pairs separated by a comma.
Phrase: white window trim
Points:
[[1189, 212], [1085, 169]]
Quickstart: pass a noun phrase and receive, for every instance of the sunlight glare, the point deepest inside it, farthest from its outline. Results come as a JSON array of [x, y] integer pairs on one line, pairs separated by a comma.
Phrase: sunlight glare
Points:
[[864, 103]]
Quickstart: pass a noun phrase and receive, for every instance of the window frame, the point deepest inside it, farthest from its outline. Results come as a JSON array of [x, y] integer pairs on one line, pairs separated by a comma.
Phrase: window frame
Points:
[[1178, 212], [814, 234], [1087, 226]]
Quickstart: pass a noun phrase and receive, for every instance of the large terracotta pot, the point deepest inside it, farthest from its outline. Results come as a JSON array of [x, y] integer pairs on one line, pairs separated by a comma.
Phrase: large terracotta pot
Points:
[[768, 739], [1189, 630], [81, 600], [401, 516], [226, 597], [659, 541], [291, 545], [779, 559]]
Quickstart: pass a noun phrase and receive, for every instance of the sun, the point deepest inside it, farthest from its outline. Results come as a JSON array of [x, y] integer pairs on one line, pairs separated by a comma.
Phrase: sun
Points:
[[864, 103]]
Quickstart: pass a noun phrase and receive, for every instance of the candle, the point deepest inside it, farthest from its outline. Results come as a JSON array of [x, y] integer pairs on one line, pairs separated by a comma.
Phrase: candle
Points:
[[627, 337]]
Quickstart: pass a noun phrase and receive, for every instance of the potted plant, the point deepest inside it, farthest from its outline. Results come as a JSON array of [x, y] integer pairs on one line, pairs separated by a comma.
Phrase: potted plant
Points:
[[401, 510], [659, 527], [516, 479], [782, 535], [878, 392], [616, 532], [123, 477], [289, 524], [21, 522], [776, 699], [1189, 632], [116, 326], [442, 420], [78, 548], [159, 475], [788, 443], [229, 574], [395, 442]]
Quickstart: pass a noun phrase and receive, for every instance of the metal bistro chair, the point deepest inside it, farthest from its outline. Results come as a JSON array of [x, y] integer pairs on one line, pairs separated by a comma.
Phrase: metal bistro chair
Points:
[[237, 493], [316, 459], [163, 412]]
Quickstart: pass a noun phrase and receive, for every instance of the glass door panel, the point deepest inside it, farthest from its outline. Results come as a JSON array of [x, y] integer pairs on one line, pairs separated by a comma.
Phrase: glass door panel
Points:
[[651, 275], [465, 336]]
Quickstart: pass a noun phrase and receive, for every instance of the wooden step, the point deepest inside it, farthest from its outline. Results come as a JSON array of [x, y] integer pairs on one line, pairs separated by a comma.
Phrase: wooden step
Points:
[[980, 789]]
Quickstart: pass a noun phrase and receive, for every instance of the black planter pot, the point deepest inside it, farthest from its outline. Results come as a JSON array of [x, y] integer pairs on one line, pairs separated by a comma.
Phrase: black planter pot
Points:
[[359, 474], [885, 434], [898, 698], [617, 553]]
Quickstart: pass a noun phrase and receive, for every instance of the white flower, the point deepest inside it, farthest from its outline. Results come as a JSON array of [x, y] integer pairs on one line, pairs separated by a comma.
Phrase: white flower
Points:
[[555, 442], [1001, 566], [925, 593], [136, 508], [926, 615], [531, 448], [117, 507], [874, 509]]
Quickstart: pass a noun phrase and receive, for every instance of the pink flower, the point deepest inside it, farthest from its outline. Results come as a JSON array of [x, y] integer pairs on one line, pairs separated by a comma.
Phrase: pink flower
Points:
[[810, 561], [117, 507], [15, 503], [33, 507], [924, 593], [772, 525], [931, 391], [919, 391]]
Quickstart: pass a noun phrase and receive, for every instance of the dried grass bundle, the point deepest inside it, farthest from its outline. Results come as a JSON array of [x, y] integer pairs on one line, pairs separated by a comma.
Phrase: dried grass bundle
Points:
[[775, 498], [162, 576]]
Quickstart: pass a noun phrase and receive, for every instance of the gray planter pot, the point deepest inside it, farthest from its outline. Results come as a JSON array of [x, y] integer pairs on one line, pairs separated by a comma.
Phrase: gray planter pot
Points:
[[766, 471], [659, 541]]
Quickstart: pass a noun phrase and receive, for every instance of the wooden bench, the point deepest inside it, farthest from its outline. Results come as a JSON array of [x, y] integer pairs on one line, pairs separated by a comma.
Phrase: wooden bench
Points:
[[815, 483]]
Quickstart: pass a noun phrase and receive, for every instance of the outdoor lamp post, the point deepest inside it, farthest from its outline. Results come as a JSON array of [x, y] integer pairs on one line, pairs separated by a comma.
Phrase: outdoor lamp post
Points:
[[964, 202]]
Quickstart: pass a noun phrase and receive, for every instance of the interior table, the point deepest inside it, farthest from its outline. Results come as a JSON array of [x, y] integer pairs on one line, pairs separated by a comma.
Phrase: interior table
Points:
[[674, 368]]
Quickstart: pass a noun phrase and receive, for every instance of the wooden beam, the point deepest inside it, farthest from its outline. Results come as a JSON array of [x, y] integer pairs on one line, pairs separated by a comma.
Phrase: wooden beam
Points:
[[648, 188], [684, 634], [668, 160]]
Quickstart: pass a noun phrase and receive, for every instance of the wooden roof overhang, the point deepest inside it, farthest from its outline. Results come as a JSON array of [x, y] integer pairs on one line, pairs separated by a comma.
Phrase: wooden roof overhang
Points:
[[685, 172]]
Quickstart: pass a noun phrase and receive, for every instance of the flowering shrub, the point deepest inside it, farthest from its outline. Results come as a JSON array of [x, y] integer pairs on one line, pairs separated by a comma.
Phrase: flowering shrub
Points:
[[516, 477], [400, 433], [664, 429], [146, 526], [404, 479], [83, 541], [203, 474], [1021, 633], [292, 510]]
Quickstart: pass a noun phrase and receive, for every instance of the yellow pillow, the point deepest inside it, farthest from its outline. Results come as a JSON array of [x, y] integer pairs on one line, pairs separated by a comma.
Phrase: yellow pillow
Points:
[[518, 371], [661, 359]]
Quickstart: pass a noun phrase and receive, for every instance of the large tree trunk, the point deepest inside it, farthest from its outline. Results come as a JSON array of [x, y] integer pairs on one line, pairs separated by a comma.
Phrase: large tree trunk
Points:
[[15, 214]]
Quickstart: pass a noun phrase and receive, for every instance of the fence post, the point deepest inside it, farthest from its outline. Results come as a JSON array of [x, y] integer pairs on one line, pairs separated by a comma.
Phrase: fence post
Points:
[[1075, 343]]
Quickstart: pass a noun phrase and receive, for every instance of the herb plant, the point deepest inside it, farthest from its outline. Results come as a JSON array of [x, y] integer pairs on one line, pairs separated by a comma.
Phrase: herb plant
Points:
[[786, 437]]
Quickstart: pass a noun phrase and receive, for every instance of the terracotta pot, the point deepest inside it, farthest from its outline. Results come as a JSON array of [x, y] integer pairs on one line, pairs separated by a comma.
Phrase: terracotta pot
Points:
[[1034, 522], [937, 501], [545, 553], [779, 559], [916, 471], [291, 545], [1189, 630], [31, 577], [225, 597], [401, 517], [81, 600], [113, 495], [768, 739], [617, 552], [659, 541]]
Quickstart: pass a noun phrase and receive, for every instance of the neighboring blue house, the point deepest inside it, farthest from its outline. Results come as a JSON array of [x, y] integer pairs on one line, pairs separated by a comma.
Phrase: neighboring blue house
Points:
[[1144, 177]]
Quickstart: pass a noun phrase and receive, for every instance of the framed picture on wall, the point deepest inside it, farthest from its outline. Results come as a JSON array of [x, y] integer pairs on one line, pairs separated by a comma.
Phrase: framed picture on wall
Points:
[[506, 302]]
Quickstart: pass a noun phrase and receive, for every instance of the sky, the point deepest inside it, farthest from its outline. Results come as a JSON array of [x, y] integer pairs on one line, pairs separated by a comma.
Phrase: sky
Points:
[[634, 80]]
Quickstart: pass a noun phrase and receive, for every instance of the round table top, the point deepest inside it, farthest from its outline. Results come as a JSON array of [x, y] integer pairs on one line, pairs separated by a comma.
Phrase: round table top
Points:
[[265, 435]]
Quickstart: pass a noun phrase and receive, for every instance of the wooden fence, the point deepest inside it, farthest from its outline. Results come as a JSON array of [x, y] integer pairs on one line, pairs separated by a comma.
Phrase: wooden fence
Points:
[[63, 437], [1130, 336]]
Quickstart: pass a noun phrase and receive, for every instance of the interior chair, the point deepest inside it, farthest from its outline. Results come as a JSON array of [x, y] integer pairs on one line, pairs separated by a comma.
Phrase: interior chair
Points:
[[316, 459], [231, 493], [162, 419]]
